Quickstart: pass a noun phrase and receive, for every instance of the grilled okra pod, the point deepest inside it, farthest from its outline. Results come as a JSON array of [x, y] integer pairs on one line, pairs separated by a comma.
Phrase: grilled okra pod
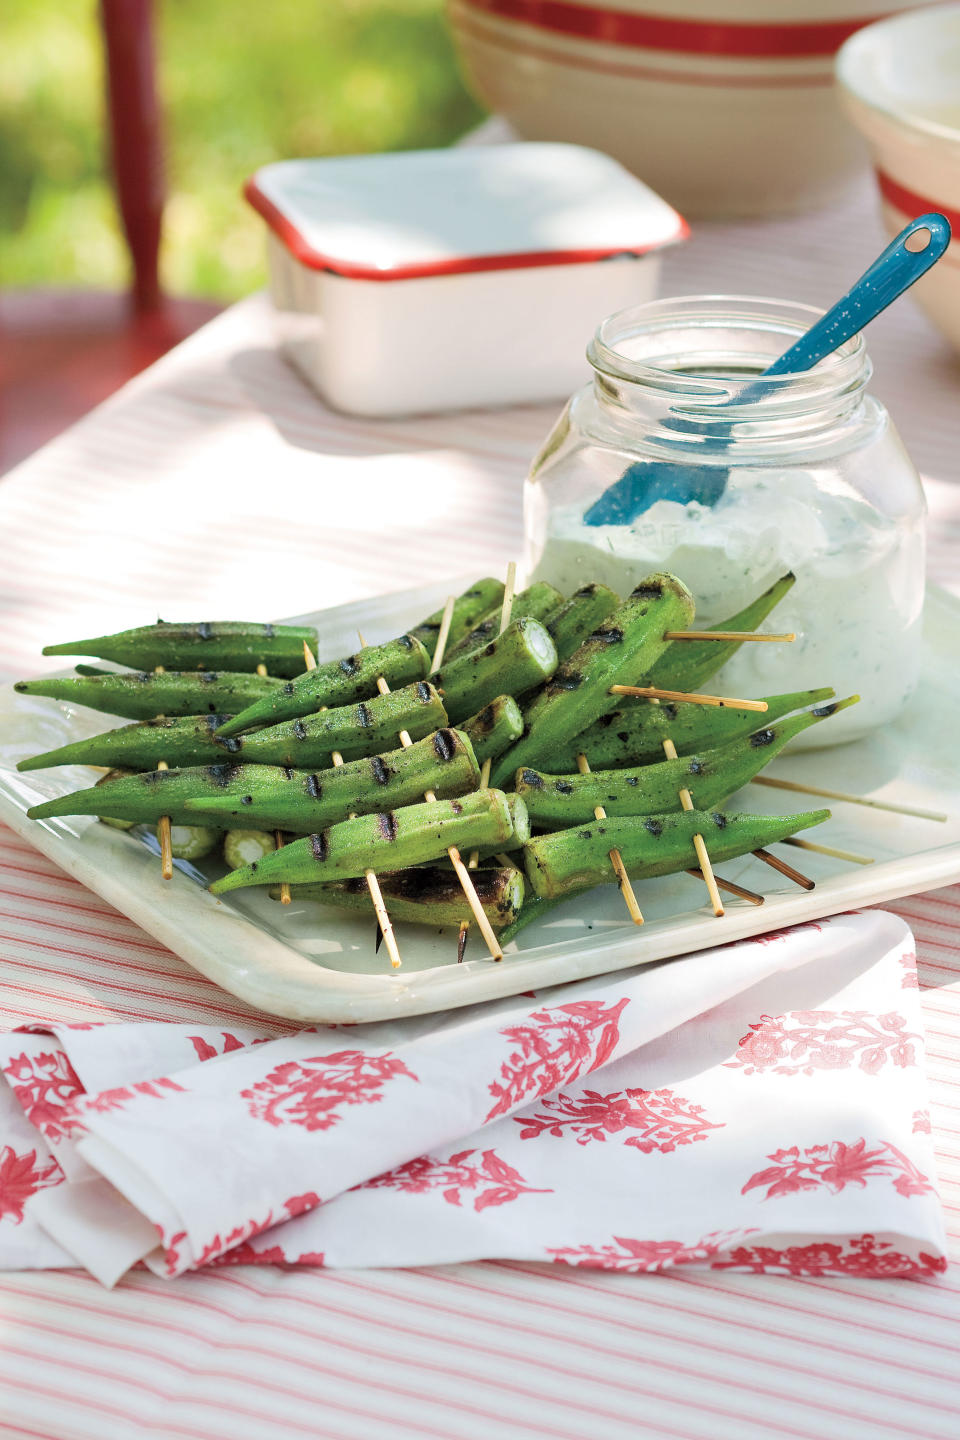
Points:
[[577, 618], [468, 608], [711, 776], [412, 835], [428, 895], [142, 694], [688, 664], [625, 644], [336, 683], [522, 656], [494, 728], [273, 797], [353, 730], [536, 603], [189, 741], [301, 801], [569, 861], [204, 645], [634, 734]]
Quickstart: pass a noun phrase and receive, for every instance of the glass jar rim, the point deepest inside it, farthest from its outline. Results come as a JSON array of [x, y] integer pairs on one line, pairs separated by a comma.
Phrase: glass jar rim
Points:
[[845, 369]]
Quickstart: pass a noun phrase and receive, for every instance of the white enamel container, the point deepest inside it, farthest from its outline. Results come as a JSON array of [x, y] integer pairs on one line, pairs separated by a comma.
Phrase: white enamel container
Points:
[[439, 280]]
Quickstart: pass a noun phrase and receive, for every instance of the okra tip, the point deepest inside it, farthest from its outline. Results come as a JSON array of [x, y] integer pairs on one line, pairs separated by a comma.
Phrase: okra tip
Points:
[[260, 713], [73, 647]]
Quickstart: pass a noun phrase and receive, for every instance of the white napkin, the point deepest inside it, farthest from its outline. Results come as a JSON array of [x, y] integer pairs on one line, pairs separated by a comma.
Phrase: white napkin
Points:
[[760, 1106]]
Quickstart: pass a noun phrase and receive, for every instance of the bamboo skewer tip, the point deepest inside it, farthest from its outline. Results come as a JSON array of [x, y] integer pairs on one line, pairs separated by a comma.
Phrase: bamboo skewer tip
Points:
[[653, 692], [463, 875]]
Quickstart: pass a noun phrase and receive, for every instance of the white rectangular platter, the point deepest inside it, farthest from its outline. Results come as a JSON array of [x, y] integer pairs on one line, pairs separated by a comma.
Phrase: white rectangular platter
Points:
[[314, 964]]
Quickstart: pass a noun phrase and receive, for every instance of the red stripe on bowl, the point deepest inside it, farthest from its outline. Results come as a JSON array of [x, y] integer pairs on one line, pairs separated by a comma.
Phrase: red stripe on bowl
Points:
[[909, 203], [754, 79], [303, 251], [793, 40]]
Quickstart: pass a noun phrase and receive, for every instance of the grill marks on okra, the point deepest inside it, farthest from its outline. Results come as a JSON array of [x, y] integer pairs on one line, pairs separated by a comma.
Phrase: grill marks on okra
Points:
[[203, 645], [555, 801], [270, 797], [391, 840], [336, 683], [483, 596], [569, 861], [635, 735], [539, 602], [428, 895], [688, 664], [628, 642], [142, 695], [522, 656]]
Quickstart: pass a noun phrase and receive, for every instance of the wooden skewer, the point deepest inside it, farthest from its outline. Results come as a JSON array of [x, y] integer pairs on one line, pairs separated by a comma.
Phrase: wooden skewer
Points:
[[776, 863], [165, 838], [506, 609], [616, 859], [463, 874], [285, 895], [738, 636], [509, 590], [443, 634], [163, 824], [373, 884], [740, 891], [828, 850], [474, 860], [651, 692], [776, 784], [699, 844]]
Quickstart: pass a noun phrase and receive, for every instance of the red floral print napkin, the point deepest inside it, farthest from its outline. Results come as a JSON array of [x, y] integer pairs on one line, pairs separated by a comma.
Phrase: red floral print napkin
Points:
[[759, 1106]]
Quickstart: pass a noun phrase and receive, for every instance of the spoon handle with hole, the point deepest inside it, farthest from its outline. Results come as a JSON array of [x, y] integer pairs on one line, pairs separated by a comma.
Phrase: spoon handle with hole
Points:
[[890, 274]]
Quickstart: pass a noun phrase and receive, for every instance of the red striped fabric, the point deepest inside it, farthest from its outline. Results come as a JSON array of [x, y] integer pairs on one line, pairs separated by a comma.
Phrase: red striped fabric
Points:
[[220, 455]]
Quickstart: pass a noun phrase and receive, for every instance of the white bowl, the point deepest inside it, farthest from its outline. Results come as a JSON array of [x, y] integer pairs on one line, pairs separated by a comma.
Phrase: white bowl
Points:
[[731, 115], [900, 82]]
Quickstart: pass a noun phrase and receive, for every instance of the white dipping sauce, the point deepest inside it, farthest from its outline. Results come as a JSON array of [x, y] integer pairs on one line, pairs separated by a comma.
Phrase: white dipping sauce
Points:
[[856, 606]]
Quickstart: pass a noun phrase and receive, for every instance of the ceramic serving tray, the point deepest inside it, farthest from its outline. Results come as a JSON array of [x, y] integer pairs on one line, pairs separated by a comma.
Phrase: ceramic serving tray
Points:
[[315, 964]]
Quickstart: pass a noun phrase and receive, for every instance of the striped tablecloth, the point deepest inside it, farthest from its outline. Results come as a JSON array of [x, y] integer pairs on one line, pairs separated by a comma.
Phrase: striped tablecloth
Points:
[[217, 479]]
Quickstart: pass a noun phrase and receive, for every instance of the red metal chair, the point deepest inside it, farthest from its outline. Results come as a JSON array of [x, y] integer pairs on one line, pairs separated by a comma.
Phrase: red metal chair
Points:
[[61, 352]]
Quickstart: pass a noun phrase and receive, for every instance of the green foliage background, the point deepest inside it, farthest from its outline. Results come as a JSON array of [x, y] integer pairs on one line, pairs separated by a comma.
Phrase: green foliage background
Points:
[[244, 82]]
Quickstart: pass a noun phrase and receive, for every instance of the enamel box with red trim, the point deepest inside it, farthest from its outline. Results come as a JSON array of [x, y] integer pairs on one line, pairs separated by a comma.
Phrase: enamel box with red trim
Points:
[[439, 280]]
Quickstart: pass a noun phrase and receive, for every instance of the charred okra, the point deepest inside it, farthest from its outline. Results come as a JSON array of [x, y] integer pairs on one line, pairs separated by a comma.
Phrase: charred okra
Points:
[[301, 801], [634, 734], [142, 694], [204, 645], [687, 664], [428, 895], [522, 656], [711, 776], [536, 603], [395, 840], [625, 644], [336, 683], [494, 728], [468, 608], [568, 861]]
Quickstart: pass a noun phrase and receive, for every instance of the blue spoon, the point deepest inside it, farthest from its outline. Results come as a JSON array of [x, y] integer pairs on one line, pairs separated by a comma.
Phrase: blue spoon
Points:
[[647, 481]]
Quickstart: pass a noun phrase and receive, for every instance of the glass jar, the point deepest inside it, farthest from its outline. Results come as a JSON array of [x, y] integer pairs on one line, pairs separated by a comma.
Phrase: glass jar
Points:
[[678, 457]]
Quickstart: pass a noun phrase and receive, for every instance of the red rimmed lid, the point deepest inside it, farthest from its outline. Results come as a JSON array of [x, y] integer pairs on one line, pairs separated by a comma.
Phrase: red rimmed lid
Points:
[[421, 213]]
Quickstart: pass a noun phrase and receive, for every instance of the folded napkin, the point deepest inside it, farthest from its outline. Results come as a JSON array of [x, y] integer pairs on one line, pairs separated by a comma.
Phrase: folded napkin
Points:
[[758, 1106]]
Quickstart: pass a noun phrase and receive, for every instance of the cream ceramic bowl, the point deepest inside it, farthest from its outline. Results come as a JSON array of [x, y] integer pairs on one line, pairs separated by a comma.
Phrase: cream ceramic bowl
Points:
[[900, 82], [729, 113]]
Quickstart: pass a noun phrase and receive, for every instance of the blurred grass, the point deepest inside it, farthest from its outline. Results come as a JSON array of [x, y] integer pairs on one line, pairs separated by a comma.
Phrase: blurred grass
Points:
[[243, 84]]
